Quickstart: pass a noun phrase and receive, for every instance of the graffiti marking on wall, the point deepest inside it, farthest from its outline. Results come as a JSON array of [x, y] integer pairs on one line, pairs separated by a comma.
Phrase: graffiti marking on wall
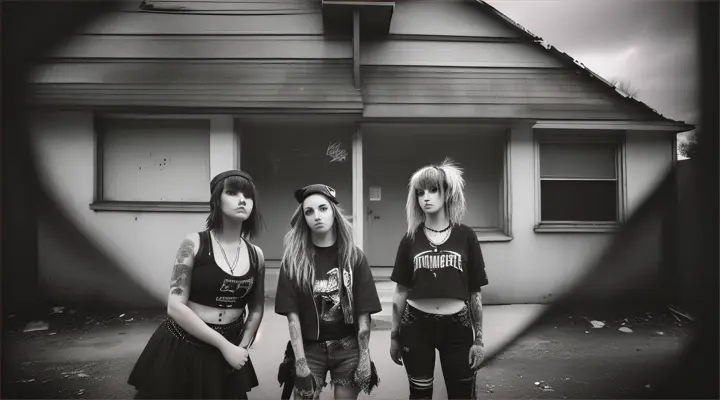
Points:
[[336, 153]]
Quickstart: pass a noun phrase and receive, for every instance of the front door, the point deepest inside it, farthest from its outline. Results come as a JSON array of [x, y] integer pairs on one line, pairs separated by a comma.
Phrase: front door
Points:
[[286, 155], [391, 155], [386, 177], [393, 152]]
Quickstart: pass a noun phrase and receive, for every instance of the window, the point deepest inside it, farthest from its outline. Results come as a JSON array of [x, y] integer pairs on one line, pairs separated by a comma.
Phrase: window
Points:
[[580, 184], [159, 164]]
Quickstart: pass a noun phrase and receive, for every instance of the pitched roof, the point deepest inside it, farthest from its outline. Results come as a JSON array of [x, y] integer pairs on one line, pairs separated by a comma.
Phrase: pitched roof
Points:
[[569, 60]]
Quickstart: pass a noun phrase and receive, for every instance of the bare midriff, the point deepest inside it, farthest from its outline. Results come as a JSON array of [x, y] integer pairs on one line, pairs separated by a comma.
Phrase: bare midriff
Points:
[[444, 306], [214, 315]]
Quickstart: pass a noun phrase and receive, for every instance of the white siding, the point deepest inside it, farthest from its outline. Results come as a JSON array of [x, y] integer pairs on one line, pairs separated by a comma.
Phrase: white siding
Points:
[[445, 18], [456, 54]]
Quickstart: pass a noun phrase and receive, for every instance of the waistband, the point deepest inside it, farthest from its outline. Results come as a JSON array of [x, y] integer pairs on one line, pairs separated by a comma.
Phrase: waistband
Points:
[[348, 342], [234, 328]]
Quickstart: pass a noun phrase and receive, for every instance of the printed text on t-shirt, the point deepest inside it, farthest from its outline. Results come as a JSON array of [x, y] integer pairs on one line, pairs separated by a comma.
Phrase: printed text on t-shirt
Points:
[[439, 259]]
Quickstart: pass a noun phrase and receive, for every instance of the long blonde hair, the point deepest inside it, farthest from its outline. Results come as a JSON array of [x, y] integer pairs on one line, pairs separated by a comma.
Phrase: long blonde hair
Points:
[[299, 252], [447, 176]]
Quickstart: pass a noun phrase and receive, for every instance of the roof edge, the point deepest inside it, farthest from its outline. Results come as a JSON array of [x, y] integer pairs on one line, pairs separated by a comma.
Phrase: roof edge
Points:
[[566, 58]]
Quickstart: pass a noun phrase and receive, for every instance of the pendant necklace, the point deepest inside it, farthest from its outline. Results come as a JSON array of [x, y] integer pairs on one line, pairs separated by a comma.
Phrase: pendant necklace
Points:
[[237, 256], [439, 242]]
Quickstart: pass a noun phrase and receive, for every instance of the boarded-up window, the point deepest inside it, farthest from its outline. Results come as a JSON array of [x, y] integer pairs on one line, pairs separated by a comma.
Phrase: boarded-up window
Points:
[[579, 182], [158, 160]]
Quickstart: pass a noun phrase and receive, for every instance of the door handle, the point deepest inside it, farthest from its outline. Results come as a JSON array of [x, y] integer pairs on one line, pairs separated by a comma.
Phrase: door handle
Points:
[[376, 217]]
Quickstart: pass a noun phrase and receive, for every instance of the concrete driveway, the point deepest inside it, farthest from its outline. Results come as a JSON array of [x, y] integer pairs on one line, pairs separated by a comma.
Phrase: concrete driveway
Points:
[[568, 360]]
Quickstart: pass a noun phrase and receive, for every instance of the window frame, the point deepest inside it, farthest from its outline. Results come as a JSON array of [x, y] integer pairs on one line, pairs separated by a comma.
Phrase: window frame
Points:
[[503, 233], [100, 204], [600, 137]]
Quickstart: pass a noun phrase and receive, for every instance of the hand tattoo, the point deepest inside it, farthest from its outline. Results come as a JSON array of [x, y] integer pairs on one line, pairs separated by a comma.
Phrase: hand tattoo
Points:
[[301, 365], [477, 355], [363, 373], [304, 381]]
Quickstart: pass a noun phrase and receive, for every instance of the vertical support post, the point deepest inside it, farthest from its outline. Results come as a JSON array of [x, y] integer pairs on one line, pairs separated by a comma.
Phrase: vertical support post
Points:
[[357, 188], [356, 48]]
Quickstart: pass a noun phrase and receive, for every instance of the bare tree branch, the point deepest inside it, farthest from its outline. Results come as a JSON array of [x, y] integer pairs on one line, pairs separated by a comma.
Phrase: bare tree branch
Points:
[[625, 86]]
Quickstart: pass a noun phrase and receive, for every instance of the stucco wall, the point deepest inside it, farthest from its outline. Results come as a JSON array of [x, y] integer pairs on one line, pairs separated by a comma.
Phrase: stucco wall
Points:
[[536, 267], [532, 267], [649, 156], [143, 243]]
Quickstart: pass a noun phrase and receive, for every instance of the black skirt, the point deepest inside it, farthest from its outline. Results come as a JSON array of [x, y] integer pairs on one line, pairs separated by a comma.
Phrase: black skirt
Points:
[[175, 364]]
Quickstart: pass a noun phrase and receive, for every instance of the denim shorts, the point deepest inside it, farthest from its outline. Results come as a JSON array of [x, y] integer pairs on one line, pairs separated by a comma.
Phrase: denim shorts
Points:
[[340, 357]]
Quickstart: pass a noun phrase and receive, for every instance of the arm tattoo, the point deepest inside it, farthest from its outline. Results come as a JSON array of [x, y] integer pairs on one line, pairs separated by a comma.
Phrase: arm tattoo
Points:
[[185, 251], [256, 307], [364, 333], [477, 316], [294, 330], [251, 327], [297, 344], [180, 276], [181, 270], [396, 312], [399, 305]]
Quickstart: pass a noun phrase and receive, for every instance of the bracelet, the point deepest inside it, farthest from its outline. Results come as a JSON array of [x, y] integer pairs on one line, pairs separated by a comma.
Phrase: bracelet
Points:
[[394, 335]]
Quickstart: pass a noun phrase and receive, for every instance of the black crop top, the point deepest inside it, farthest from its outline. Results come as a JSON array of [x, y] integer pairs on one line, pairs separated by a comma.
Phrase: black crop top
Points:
[[453, 269], [213, 287]]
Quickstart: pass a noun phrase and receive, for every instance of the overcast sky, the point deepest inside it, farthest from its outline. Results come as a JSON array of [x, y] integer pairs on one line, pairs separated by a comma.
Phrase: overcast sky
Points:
[[652, 44]]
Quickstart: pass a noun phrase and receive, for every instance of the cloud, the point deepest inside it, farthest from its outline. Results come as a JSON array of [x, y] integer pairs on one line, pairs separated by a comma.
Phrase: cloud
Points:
[[650, 44]]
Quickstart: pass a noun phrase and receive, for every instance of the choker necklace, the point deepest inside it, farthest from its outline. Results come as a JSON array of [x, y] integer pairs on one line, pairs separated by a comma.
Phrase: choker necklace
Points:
[[440, 231]]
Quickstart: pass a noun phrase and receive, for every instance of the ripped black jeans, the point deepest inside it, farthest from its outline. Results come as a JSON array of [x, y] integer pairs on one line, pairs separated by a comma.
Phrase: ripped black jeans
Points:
[[452, 335]]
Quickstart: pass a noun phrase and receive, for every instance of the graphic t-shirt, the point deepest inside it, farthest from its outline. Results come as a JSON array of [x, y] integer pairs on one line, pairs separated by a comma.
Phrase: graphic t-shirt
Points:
[[326, 294], [452, 269], [213, 287]]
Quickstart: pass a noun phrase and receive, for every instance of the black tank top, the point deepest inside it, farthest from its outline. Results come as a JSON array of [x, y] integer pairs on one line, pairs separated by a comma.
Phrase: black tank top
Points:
[[213, 287]]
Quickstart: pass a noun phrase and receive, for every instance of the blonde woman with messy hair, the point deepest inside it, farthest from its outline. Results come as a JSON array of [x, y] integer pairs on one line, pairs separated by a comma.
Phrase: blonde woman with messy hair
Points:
[[326, 291], [439, 270]]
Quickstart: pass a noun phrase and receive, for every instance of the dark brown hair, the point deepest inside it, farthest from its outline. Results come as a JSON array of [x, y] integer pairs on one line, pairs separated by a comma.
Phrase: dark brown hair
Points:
[[251, 227]]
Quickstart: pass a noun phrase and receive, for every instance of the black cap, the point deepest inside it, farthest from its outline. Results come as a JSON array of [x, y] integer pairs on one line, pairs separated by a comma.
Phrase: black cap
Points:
[[221, 176], [302, 194]]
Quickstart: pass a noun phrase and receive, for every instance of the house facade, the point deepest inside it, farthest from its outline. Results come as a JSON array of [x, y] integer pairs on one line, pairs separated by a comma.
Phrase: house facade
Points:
[[135, 114]]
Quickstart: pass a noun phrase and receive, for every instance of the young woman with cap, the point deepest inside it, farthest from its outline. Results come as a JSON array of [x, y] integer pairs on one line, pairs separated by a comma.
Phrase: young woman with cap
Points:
[[439, 270], [201, 349], [326, 291]]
